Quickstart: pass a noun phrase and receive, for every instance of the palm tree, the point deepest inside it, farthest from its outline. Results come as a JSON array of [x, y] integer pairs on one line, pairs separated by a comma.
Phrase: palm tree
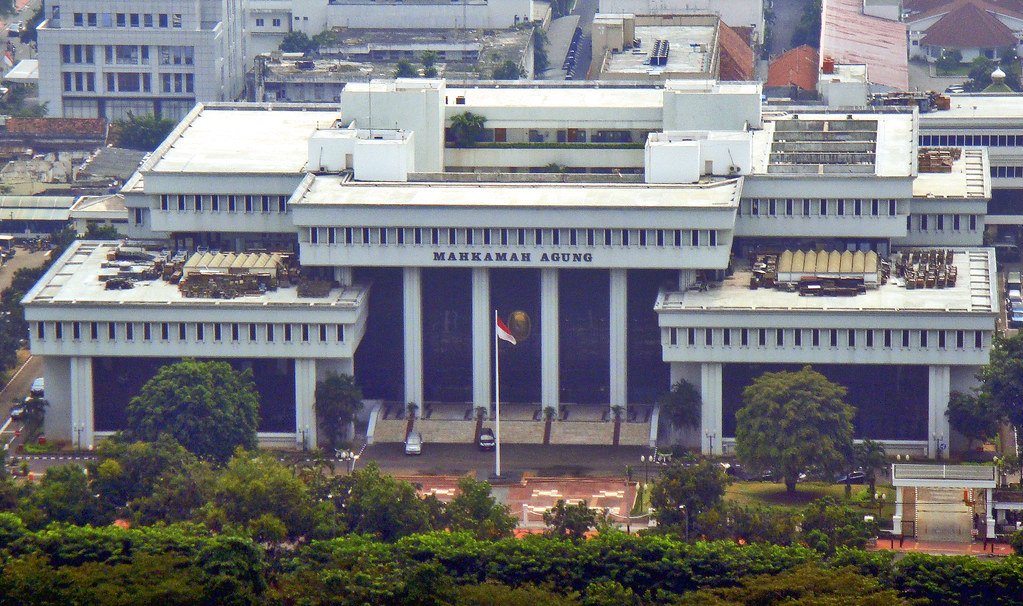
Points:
[[681, 405], [467, 128], [338, 399], [870, 455]]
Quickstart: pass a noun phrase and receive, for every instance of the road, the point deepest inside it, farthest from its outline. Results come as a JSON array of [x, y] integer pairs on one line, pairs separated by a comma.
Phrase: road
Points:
[[17, 388], [584, 55], [784, 17]]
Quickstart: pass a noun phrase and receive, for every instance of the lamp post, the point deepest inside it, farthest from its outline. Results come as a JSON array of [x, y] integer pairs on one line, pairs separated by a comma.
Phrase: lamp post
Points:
[[303, 431], [879, 497], [645, 460], [710, 438], [683, 509], [937, 444]]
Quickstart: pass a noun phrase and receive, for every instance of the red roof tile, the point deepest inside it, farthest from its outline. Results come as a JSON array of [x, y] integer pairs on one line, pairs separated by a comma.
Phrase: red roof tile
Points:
[[968, 26], [797, 66], [85, 127], [852, 38], [925, 9], [736, 56]]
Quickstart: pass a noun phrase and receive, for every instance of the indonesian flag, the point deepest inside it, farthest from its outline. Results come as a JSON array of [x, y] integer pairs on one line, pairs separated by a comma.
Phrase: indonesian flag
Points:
[[503, 333]]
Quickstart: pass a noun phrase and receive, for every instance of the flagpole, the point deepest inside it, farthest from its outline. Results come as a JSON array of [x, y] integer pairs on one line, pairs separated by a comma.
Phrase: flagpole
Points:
[[497, 403]]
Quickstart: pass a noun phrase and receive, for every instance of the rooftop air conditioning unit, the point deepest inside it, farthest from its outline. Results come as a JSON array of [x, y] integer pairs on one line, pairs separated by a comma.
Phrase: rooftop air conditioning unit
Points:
[[733, 170]]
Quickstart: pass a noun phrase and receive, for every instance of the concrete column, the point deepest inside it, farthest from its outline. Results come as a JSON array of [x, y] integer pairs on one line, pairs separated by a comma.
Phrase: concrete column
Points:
[[305, 400], [710, 414], [412, 298], [82, 421], [619, 337], [482, 331], [938, 389], [989, 518], [686, 278], [550, 381], [343, 275], [897, 518]]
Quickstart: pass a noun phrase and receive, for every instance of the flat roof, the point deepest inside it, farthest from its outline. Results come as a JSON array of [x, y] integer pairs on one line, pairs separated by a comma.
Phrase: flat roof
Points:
[[1000, 105], [241, 138], [330, 190], [803, 144], [75, 279], [975, 292], [968, 179], [543, 97], [692, 47]]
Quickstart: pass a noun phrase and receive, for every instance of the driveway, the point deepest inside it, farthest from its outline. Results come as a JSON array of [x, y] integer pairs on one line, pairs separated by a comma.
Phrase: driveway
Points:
[[784, 17]]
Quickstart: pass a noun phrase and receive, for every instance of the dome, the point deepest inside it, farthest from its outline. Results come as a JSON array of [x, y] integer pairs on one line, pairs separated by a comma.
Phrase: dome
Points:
[[998, 74]]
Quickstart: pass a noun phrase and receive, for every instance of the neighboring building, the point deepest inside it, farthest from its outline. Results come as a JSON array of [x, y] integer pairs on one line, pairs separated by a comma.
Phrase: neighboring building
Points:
[[849, 36], [736, 13], [33, 216], [105, 58], [100, 211], [311, 240], [793, 74], [975, 28], [44, 135]]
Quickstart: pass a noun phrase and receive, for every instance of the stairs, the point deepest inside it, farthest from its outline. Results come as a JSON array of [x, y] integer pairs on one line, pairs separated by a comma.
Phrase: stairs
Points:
[[943, 516]]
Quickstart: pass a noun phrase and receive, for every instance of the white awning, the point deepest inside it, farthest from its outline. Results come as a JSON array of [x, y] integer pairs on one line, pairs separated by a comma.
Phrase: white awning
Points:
[[25, 72]]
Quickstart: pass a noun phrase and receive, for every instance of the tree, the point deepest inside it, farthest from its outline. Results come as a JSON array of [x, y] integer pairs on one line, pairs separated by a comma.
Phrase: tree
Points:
[[145, 133], [805, 585], [794, 420], [509, 70], [950, 59], [208, 407], [540, 60], [297, 42], [379, 505], [566, 521], [828, 525], [980, 75], [429, 58], [338, 400], [684, 490], [808, 29], [35, 414], [467, 128], [64, 494], [474, 509], [976, 416], [1002, 379], [871, 456], [404, 69], [95, 231], [328, 38], [681, 405]]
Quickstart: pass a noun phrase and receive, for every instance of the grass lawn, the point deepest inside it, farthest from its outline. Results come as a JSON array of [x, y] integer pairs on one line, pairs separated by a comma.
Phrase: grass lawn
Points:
[[768, 494], [962, 70]]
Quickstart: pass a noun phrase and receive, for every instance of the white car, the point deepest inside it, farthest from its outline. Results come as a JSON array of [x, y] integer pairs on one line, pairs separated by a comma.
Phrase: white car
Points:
[[414, 443], [14, 29]]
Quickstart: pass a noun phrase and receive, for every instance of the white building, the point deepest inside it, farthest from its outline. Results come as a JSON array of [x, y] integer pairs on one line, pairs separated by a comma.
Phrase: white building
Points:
[[632, 261], [104, 58], [736, 13]]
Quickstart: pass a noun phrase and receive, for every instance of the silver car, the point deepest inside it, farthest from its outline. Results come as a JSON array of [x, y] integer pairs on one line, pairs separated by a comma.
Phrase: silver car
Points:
[[414, 443]]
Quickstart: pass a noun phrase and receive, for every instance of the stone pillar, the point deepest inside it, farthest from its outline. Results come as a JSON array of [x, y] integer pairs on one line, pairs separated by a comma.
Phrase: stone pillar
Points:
[[482, 333], [412, 299], [938, 389], [343, 275], [710, 413], [82, 422], [897, 518], [619, 337], [989, 518], [550, 381], [305, 400]]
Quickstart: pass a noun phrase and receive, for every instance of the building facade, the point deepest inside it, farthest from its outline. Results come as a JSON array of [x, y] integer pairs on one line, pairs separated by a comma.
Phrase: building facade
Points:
[[637, 263]]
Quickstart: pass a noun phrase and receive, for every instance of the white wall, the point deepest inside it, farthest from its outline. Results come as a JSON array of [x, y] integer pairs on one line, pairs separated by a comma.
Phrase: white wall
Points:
[[741, 13]]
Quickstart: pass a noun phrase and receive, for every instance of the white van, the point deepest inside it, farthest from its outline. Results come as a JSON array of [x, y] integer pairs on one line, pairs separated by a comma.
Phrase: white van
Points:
[[38, 387]]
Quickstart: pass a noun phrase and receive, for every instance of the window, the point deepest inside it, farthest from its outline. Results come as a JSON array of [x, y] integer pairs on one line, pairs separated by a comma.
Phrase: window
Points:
[[340, 333], [960, 338], [834, 337], [217, 332], [780, 337], [129, 330], [797, 337], [744, 337], [147, 20], [323, 333], [134, 20], [259, 23], [941, 339], [815, 337], [200, 331], [162, 20], [692, 336], [276, 22], [887, 338], [270, 333], [234, 332], [41, 330], [726, 336], [122, 20], [287, 332], [870, 338], [76, 330], [176, 20], [978, 339], [905, 338], [923, 338], [708, 337], [165, 331], [58, 330], [181, 331], [79, 20], [763, 337], [91, 19], [305, 333], [252, 332], [852, 337], [112, 331]]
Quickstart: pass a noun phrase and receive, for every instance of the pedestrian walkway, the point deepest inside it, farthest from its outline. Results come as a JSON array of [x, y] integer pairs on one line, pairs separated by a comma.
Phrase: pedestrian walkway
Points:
[[974, 548]]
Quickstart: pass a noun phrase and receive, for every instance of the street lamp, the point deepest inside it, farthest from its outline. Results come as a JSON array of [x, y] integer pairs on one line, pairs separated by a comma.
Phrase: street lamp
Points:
[[879, 497], [710, 438], [937, 444], [683, 509], [645, 460]]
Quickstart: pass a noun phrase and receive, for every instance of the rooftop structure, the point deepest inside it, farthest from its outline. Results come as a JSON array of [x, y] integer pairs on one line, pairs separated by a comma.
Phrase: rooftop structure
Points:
[[848, 36], [797, 67], [962, 174]]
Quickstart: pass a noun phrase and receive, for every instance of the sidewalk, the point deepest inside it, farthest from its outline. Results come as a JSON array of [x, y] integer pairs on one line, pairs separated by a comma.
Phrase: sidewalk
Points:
[[975, 548]]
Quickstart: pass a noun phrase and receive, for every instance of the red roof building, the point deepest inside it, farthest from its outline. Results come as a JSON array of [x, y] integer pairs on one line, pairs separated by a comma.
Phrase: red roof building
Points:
[[796, 67], [973, 27], [736, 56]]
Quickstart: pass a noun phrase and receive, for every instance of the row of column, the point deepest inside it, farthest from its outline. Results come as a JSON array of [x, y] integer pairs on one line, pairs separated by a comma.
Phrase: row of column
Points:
[[710, 377], [483, 335]]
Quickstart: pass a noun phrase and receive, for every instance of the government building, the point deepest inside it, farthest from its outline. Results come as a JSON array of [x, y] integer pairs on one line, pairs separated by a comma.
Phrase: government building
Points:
[[632, 236]]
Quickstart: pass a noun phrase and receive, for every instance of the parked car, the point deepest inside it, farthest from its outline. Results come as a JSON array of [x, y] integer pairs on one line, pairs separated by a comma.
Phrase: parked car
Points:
[[487, 440], [14, 29], [18, 412], [853, 477], [38, 387], [414, 443]]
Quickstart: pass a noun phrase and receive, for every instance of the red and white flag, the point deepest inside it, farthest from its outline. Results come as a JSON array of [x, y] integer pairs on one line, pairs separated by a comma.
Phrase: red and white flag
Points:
[[504, 333]]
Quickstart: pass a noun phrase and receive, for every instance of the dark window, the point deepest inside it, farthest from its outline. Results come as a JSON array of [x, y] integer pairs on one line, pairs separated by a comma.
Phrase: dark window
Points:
[[709, 336], [852, 337], [252, 331], [780, 337], [112, 331], [182, 335], [340, 333], [798, 337], [129, 331], [305, 332], [287, 332], [147, 331], [763, 337], [165, 331], [834, 337], [76, 330], [40, 330], [941, 339], [923, 338], [960, 338], [270, 332], [905, 338], [744, 337], [726, 336], [234, 332], [815, 337], [692, 336], [58, 330], [323, 333], [217, 332], [200, 331], [887, 338], [978, 339]]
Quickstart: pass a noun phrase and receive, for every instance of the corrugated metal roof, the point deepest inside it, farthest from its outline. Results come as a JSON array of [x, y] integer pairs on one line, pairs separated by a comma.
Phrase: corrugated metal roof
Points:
[[852, 38]]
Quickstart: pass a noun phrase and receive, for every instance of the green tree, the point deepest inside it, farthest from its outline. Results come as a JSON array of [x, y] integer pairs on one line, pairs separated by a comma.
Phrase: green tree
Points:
[[950, 60], [807, 585], [509, 70], [35, 414], [64, 494], [328, 38], [748, 523], [254, 485], [569, 521], [980, 75], [792, 421], [467, 129], [145, 133], [976, 416], [684, 490], [681, 405], [379, 505], [871, 456], [208, 407], [540, 59], [297, 42], [828, 525], [474, 510], [28, 30], [338, 400], [95, 231], [496, 594], [429, 59], [404, 69], [808, 29], [1002, 379]]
